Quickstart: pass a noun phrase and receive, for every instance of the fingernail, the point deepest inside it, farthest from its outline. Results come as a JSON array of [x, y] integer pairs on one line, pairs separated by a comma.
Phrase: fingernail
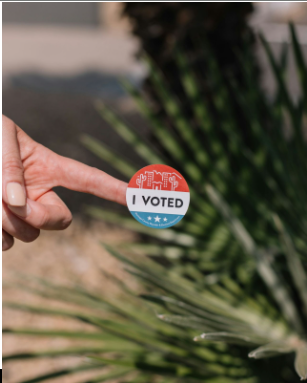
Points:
[[22, 211], [15, 194]]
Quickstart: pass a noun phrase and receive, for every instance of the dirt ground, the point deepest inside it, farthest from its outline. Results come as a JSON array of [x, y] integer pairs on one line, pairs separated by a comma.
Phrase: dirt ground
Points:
[[74, 254]]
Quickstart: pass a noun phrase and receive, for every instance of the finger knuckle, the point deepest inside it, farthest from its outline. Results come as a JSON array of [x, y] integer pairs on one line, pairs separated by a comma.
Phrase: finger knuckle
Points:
[[88, 181], [7, 244], [5, 219], [91, 181], [42, 220], [30, 235], [12, 165], [66, 220]]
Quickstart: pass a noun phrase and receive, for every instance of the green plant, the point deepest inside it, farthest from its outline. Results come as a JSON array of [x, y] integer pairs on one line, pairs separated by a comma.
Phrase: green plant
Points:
[[159, 27], [234, 274]]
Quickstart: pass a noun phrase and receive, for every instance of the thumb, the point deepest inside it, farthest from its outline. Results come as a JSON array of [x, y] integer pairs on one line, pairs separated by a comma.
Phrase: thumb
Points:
[[13, 189]]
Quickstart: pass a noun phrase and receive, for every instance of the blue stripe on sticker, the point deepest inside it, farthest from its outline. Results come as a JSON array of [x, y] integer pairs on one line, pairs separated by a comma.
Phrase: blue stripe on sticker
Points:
[[156, 220]]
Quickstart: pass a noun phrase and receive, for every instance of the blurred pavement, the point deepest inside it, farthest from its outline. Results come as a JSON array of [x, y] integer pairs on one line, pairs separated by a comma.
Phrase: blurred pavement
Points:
[[55, 50]]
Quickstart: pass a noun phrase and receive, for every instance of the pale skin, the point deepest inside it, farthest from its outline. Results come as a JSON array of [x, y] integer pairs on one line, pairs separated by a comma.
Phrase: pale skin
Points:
[[29, 172]]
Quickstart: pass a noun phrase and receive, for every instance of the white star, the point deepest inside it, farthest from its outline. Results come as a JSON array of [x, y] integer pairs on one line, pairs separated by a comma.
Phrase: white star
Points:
[[149, 218], [165, 219], [157, 218]]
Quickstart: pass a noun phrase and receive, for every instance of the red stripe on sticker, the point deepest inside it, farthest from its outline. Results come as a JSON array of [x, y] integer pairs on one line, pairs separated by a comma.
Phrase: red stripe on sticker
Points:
[[159, 177]]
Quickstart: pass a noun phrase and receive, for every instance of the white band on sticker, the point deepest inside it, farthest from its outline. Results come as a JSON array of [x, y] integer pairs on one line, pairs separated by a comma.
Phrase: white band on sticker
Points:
[[157, 201]]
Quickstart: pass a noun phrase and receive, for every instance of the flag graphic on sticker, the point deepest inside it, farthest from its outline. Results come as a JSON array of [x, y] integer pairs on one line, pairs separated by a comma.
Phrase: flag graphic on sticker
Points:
[[158, 196]]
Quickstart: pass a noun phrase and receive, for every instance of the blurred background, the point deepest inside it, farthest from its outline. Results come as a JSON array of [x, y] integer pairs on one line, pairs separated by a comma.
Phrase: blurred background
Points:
[[57, 59]]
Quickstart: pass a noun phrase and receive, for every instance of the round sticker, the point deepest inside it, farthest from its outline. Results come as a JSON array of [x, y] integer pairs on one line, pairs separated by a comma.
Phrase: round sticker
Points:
[[158, 196]]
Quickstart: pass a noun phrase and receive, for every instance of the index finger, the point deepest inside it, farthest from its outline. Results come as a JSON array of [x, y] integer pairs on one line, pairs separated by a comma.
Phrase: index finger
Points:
[[77, 176]]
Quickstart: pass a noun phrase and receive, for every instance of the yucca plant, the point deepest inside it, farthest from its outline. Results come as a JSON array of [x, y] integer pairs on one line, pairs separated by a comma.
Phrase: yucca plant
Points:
[[161, 26], [232, 286]]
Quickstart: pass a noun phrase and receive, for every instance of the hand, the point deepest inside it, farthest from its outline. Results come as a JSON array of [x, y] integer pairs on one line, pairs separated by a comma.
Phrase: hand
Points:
[[29, 172]]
